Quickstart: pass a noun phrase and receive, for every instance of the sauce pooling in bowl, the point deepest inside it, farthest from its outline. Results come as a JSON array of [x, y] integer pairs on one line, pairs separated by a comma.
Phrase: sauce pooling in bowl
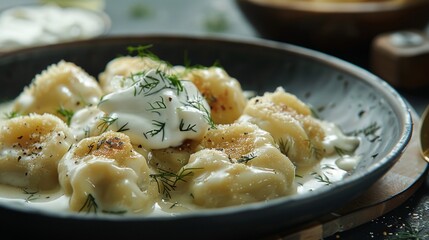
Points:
[[274, 148]]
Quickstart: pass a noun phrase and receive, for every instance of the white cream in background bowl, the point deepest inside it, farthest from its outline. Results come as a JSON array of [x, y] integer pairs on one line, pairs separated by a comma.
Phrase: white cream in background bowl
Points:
[[35, 25]]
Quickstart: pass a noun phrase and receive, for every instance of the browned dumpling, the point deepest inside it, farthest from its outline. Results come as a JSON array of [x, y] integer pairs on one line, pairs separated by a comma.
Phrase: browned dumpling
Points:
[[61, 89], [30, 149]]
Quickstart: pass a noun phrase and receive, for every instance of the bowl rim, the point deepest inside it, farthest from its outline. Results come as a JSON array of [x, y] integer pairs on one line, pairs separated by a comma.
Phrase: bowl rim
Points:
[[401, 106], [366, 7]]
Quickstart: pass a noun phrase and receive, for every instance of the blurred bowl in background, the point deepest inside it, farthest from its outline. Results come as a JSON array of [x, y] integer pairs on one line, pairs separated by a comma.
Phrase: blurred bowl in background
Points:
[[32, 25], [333, 26]]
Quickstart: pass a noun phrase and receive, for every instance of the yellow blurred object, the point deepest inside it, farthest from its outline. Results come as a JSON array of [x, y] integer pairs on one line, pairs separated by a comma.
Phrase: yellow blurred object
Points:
[[96, 5]]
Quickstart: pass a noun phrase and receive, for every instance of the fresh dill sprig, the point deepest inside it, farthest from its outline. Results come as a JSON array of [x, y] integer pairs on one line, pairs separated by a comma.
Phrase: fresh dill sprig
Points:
[[187, 128], [322, 178], [32, 195], [11, 115], [167, 181], [89, 205], [66, 113], [143, 51], [106, 122], [147, 84], [123, 128], [160, 128], [157, 105], [198, 104]]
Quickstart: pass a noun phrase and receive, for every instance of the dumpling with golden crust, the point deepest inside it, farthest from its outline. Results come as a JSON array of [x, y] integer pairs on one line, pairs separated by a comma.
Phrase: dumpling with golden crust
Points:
[[62, 86], [240, 164], [105, 174], [222, 92], [118, 72], [30, 149], [299, 135]]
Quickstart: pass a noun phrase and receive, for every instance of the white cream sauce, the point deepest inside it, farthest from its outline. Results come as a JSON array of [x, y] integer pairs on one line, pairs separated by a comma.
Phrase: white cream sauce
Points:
[[329, 170], [26, 26], [158, 112]]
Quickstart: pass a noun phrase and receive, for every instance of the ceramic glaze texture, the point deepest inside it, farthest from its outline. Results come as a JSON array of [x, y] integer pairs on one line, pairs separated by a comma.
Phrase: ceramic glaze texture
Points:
[[356, 100]]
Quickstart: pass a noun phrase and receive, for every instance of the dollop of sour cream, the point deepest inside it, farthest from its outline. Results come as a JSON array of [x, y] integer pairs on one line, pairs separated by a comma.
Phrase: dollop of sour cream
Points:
[[158, 111], [26, 26]]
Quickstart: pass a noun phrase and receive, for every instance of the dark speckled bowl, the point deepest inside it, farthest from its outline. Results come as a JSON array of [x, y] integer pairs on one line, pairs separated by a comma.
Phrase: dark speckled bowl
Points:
[[341, 92]]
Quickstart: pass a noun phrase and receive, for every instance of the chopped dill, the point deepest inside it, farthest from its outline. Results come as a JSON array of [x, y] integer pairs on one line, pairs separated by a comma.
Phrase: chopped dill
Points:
[[11, 115], [198, 104], [160, 129], [322, 178], [142, 51], [173, 205], [147, 84], [89, 205], [123, 128], [187, 128], [32, 195], [106, 122], [167, 181], [157, 106], [68, 114]]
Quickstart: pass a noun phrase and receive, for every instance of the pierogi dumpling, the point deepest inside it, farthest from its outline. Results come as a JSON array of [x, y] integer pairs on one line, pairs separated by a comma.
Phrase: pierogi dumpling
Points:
[[63, 86], [299, 135], [30, 149], [239, 164], [106, 172]]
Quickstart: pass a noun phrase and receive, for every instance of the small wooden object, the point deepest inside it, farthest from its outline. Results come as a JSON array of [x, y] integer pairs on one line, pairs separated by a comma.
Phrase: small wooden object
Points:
[[402, 59]]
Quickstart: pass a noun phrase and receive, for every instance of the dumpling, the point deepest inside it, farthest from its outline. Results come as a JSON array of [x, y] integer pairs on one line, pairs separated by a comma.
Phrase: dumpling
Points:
[[116, 75], [299, 135], [105, 174], [30, 148], [61, 87], [240, 164], [222, 92]]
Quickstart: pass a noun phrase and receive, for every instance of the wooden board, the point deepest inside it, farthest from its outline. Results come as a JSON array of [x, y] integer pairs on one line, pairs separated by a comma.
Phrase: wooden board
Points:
[[393, 189]]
